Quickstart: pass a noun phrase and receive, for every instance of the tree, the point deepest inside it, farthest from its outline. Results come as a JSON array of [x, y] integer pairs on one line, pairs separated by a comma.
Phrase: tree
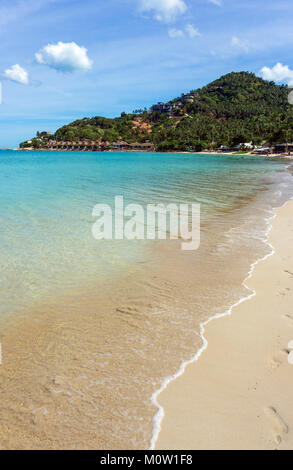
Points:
[[236, 108]]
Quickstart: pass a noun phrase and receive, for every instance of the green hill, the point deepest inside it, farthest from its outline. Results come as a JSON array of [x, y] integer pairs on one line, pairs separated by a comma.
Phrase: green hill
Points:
[[238, 107]]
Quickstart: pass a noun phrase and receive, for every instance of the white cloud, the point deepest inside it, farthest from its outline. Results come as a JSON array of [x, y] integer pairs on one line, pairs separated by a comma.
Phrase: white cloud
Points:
[[164, 10], [192, 31], [17, 74], [240, 43], [175, 33], [216, 2], [278, 73], [66, 57]]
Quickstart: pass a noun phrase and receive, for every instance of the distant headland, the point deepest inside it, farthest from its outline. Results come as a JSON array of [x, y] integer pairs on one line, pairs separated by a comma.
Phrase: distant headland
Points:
[[237, 112]]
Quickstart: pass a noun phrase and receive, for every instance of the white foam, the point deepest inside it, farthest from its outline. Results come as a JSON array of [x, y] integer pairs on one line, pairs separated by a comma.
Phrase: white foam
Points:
[[158, 418]]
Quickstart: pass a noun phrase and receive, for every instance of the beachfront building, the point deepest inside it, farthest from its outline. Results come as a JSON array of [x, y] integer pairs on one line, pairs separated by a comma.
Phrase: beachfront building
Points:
[[147, 146], [224, 148], [262, 150], [245, 146], [96, 146], [120, 146], [283, 148]]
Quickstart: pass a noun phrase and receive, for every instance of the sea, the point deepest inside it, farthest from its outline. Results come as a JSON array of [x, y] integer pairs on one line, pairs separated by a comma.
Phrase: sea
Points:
[[91, 329]]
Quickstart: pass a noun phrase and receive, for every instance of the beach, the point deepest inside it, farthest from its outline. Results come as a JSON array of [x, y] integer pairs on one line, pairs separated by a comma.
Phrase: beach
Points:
[[90, 330], [238, 394]]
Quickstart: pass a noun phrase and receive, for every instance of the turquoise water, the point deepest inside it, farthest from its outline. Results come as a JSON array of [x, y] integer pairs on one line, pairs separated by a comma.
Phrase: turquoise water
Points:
[[46, 245], [90, 329]]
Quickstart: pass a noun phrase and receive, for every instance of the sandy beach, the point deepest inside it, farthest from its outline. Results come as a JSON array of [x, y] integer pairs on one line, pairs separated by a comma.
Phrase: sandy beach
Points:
[[238, 395]]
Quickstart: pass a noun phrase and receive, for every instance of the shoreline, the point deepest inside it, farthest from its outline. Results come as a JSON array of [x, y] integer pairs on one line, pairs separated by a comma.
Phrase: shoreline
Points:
[[178, 423], [249, 154]]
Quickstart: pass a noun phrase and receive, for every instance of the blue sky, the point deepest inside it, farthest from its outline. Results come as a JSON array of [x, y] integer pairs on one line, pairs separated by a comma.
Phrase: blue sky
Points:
[[66, 59]]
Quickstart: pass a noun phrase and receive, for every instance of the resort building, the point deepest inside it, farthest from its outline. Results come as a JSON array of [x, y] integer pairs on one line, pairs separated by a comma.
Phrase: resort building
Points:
[[120, 146], [93, 146], [224, 148], [245, 145], [188, 98], [164, 108], [283, 148], [262, 150], [145, 146]]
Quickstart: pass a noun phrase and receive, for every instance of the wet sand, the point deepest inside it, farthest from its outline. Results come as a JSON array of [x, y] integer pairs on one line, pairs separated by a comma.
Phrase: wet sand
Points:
[[238, 395]]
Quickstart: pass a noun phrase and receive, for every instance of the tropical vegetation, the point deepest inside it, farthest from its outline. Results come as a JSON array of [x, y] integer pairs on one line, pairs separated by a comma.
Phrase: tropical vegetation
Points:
[[238, 107]]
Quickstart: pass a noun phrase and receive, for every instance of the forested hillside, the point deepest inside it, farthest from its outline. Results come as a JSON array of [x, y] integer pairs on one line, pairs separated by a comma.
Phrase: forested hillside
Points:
[[238, 107]]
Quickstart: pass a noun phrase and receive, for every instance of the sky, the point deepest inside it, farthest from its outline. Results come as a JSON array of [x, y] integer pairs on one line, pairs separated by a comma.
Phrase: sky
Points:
[[62, 60]]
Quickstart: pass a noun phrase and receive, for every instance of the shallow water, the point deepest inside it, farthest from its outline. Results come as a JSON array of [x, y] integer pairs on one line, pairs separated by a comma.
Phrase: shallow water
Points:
[[90, 329]]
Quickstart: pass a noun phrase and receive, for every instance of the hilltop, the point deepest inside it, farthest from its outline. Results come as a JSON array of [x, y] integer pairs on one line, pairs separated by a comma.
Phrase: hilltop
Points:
[[238, 107]]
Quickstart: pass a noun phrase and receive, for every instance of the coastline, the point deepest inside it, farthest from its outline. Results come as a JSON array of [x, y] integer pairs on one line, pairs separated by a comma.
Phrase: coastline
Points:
[[238, 395], [249, 154]]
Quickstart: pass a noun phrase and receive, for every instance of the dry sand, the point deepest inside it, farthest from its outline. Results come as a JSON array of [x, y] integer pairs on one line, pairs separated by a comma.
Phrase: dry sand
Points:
[[239, 394]]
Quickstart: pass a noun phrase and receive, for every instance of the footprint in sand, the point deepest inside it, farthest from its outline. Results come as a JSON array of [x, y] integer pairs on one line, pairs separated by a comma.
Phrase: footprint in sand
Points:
[[288, 316], [288, 272], [284, 291], [279, 426], [290, 355], [279, 358]]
